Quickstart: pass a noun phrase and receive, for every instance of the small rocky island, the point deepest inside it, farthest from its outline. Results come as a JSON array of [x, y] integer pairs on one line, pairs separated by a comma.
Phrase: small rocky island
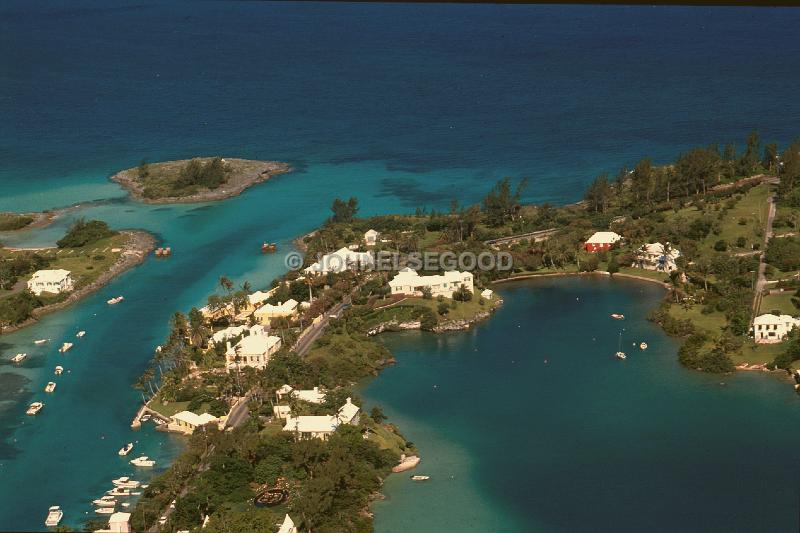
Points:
[[201, 179]]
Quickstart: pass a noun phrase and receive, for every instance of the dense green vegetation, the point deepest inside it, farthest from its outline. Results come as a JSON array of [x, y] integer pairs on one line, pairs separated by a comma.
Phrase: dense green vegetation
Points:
[[175, 180], [83, 233], [14, 221]]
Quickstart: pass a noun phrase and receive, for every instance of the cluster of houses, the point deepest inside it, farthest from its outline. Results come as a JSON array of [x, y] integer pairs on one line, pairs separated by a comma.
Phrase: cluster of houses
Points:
[[651, 256], [313, 426]]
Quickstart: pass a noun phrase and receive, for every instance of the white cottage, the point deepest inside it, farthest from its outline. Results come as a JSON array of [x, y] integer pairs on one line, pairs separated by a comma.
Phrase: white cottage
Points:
[[657, 256], [342, 260], [771, 328], [187, 421], [410, 283], [371, 237], [253, 350], [53, 281]]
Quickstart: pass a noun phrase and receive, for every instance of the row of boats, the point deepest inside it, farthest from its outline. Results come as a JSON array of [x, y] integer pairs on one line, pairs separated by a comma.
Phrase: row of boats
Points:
[[124, 487], [35, 407]]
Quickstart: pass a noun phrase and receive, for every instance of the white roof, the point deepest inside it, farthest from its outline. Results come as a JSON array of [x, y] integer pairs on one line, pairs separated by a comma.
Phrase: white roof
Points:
[[255, 344], [604, 237], [371, 232], [340, 260], [286, 307], [412, 278], [119, 518], [259, 296], [487, 293], [775, 319], [348, 411], [228, 333], [194, 419], [287, 526], [50, 276], [285, 389], [314, 395], [282, 411], [311, 424], [656, 248]]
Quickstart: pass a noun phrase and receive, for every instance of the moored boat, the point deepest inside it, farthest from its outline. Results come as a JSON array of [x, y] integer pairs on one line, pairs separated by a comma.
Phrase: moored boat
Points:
[[620, 354], [617, 316], [105, 501], [20, 357], [125, 450], [50, 387], [80, 334], [40, 341], [643, 346], [125, 482], [120, 492], [104, 510], [115, 300], [59, 370], [34, 408], [65, 347], [420, 478], [54, 516], [143, 461]]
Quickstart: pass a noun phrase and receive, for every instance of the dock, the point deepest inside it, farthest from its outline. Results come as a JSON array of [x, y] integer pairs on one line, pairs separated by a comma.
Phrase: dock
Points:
[[136, 423]]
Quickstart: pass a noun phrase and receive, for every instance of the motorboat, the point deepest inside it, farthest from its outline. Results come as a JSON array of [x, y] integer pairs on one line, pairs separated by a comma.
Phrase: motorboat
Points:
[[54, 516], [59, 370], [420, 478], [617, 316], [34, 408], [126, 483], [620, 354], [50, 387], [143, 461], [126, 449], [65, 347], [125, 504], [145, 417], [115, 300], [105, 501], [20, 357], [643, 346], [121, 491], [105, 510], [40, 341], [80, 334]]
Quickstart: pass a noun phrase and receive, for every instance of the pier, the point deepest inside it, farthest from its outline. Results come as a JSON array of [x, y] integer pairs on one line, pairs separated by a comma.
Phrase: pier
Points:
[[136, 423]]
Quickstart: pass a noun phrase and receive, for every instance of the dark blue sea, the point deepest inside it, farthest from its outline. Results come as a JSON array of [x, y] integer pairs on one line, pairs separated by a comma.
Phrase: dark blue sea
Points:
[[401, 106]]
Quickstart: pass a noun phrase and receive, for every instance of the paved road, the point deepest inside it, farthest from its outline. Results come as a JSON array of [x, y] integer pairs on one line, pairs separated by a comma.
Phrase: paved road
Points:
[[314, 332]]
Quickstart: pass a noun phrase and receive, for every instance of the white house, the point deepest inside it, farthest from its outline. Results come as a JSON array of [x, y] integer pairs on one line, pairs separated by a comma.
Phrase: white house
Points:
[[314, 395], [601, 240], [187, 421], [371, 237], [288, 526], [771, 328], [117, 523], [487, 294], [410, 283], [253, 350], [657, 256], [227, 333], [349, 413], [311, 427], [267, 312], [341, 260], [54, 281], [281, 412]]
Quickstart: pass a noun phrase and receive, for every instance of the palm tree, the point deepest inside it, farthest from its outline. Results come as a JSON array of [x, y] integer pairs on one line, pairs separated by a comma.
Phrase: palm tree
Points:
[[226, 283]]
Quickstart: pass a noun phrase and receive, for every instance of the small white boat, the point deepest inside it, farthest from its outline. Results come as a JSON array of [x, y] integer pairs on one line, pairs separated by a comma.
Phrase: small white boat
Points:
[[80, 334], [420, 478], [125, 450], [643, 346], [125, 504], [120, 491], [54, 516], [50, 387], [34, 408], [143, 461], [40, 341], [115, 300], [20, 357], [104, 510], [105, 501], [620, 355], [125, 482], [65, 347], [145, 486], [617, 316], [59, 370], [145, 417]]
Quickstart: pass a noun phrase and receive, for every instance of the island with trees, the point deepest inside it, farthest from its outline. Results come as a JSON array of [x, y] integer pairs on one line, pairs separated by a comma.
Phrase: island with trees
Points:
[[201, 179], [711, 212]]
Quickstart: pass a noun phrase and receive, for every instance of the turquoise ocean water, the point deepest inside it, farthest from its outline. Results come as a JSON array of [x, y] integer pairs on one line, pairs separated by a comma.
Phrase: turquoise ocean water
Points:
[[401, 106]]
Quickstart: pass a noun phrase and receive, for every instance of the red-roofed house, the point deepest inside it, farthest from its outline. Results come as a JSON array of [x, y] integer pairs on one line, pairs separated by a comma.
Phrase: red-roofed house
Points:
[[602, 240]]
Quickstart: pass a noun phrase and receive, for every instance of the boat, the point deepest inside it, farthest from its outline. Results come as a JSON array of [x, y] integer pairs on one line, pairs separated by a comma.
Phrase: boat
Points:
[[105, 510], [145, 417], [20, 357], [143, 461], [120, 491], [40, 341], [643, 346], [65, 347], [59, 370], [34, 408], [115, 300], [125, 482], [80, 334], [126, 449], [620, 354], [125, 504], [105, 501], [617, 316], [420, 478], [54, 516], [50, 387]]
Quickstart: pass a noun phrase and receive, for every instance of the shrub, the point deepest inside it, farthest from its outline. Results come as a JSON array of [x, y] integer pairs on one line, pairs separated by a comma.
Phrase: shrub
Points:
[[82, 233], [443, 308], [721, 245], [741, 242]]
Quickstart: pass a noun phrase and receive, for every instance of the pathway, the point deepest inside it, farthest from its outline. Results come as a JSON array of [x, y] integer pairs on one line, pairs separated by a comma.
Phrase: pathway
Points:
[[762, 265]]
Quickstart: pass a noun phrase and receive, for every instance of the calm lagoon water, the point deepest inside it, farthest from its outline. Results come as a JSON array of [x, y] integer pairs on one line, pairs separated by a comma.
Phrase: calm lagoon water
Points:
[[401, 106]]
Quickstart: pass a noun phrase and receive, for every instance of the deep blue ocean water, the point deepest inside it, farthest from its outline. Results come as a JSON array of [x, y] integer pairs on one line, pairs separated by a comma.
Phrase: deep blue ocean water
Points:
[[399, 105]]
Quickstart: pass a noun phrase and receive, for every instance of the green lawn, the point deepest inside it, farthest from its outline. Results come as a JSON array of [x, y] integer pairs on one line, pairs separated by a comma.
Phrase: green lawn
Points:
[[752, 209], [753, 353], [712, 322], [779, 302], [458, 310], [650, 274], [87, 263], [171, 408]]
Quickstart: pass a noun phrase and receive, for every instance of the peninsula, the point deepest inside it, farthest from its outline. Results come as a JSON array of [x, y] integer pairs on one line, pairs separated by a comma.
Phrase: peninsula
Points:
[[203, 179]]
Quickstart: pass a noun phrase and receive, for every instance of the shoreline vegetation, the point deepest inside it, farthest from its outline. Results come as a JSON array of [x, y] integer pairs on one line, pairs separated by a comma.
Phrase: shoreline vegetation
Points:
[[94, 257], [202, 179], [713, 205]]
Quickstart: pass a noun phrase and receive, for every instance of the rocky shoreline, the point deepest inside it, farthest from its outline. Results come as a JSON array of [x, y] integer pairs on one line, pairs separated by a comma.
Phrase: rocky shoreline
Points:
[[450, 325], [235, 185], [139, 245]]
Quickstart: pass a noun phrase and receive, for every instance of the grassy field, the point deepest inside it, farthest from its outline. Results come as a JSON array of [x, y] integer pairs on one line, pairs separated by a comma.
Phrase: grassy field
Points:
[[89, 262], [458, 310], [752, 210], [14, 221], [779, 302], [171, 408], [712, 323], [753, 353], [650, 274]]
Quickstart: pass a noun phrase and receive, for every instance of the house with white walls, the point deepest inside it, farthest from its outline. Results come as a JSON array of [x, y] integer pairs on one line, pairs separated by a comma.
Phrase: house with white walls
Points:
[[410, 283]]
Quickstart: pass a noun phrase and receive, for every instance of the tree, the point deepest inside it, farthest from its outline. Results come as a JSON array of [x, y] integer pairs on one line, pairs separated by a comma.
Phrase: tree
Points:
[[143, 170], [598, 195], [82, 233], [443, 308], [344, 211], [501, 205], [750, 159], [376, 413], [613, 265], [770, 161]]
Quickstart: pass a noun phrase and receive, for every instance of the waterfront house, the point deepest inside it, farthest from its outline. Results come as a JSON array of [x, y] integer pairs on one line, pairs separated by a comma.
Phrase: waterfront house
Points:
[[187, 422], [288, 526], [227, 334], [349, 413], [657, 256], [487, 294], [408, 282], [314, 395], [253, 350], [371, 237], [267, 312], [117, 523], [311, 427], [342, 260], [771, 328], [52, 281], [601, 240]]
